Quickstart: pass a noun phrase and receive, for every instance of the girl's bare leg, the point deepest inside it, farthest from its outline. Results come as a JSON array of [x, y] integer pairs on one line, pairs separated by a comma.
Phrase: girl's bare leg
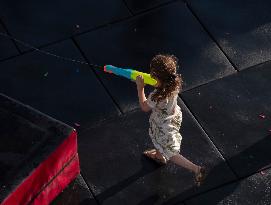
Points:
[[183, 162]]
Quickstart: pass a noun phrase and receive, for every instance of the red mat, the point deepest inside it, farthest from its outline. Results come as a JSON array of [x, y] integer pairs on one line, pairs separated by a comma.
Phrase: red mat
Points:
[[57, 157]]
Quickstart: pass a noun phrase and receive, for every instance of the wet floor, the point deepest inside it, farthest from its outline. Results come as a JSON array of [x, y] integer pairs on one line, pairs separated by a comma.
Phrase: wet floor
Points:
[[224, 54]]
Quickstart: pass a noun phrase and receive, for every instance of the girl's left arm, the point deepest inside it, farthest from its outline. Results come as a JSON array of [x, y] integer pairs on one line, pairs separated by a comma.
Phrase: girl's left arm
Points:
[[141, 94]]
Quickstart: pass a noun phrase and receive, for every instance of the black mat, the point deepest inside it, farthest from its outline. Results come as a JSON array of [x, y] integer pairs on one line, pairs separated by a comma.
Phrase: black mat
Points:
[[137, 6], [15, 148], [235, 111], [28, 138], [117, 172], [40, 23], [67, 91], [7, 47], [242, 28], [171, 29], [250, 191], [77, 193]]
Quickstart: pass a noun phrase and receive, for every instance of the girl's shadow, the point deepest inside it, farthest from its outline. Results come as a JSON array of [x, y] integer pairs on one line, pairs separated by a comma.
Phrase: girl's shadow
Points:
[[148, 167]]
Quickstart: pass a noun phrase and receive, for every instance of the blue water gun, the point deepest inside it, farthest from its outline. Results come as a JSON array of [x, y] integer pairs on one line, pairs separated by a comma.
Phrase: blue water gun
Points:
[[130, 74]]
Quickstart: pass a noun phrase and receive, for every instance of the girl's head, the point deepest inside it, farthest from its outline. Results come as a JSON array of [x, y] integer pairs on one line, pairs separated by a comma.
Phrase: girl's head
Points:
[[163, 68]]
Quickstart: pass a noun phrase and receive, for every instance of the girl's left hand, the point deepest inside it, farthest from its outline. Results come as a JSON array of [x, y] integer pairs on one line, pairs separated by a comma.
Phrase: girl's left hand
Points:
[[140, 82]]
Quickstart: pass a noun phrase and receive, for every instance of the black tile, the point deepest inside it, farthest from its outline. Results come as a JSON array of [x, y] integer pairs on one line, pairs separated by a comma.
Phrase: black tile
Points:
[[252, 190], [40, 23], [137, 6], [67, 91], [242, 28], [77, 193], [171, 29], [7, 47], [230, 110], [117, 172]]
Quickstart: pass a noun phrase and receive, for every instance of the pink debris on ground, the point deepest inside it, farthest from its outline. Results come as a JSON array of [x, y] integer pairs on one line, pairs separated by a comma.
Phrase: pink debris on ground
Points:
[[262, 116], [77, 125]]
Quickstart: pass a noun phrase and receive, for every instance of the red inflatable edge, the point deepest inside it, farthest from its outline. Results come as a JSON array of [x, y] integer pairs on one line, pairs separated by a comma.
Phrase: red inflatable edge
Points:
[[46, 172], [59, 183]]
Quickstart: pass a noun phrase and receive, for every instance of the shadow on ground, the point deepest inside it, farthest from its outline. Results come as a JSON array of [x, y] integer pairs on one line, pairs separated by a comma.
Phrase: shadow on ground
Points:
[[260, 147]]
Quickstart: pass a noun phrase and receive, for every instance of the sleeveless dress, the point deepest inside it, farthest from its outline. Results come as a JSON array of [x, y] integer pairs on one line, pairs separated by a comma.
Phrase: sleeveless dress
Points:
[[165, 122]]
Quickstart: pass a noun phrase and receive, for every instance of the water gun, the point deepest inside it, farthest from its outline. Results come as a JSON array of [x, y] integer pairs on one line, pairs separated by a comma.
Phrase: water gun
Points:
[[130, 74]]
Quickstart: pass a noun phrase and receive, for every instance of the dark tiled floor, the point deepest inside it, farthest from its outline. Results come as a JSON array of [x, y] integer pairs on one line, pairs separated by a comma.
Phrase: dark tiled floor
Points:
[[7, 47], [226, 121], [252, 190], [40, 23], [230, 110], [68, 92], [76, 193], [137, 6], [242, 28], [134, 42], [116, 143]]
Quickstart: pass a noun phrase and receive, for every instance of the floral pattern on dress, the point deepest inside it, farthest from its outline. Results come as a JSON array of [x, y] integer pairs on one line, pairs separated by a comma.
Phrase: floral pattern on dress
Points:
[[165, 122]]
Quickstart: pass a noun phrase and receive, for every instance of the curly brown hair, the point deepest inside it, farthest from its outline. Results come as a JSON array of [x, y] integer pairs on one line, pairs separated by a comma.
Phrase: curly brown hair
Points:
[[163, 67]]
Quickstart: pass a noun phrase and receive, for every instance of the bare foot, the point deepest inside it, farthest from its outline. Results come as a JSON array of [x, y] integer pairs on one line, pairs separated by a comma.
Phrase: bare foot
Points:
[[200, 176], [156, 156]]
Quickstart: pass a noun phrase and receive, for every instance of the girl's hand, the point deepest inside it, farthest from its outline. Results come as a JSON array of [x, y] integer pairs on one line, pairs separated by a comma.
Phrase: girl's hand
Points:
[[140, 82]]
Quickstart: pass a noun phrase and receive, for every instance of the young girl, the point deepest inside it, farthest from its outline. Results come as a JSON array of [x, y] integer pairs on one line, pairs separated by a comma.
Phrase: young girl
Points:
[[166, 116]]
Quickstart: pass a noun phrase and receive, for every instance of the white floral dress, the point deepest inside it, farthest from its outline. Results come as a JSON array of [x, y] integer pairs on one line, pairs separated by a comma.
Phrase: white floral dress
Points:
[[165, 122]]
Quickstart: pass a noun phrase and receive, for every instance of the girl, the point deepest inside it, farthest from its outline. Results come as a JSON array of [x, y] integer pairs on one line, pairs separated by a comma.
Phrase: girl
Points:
[[166, 116]]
